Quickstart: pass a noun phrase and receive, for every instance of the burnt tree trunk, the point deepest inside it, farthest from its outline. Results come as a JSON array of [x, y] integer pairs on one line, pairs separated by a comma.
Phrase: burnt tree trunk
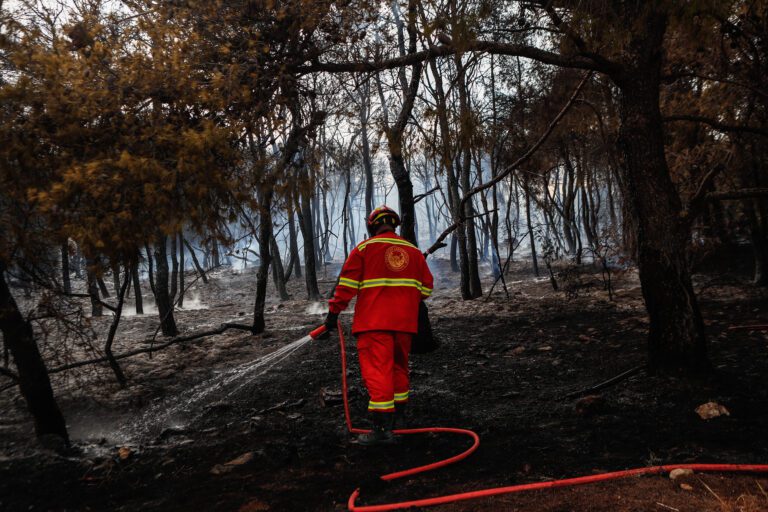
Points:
[[174, 269], [65, 280], [759, 237], [531, 237], [150, 269], [294, 263], [676, 334], [181, 269], [262, 276], [195, 261], [162, 297], [137, 287], [119, 375], [33, 380], [306, 225], [93, 288], [278, 273]]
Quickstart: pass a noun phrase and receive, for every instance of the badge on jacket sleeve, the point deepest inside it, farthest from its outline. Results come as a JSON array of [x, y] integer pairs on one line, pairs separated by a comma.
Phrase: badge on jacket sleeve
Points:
[[396, 258]]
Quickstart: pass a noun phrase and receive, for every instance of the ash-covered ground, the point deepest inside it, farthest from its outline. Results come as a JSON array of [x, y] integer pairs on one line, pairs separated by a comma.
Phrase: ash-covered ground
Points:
[[222, 424]]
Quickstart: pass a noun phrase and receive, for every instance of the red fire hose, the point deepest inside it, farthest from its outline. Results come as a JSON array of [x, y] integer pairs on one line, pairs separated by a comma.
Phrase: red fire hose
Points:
[[451, 498]]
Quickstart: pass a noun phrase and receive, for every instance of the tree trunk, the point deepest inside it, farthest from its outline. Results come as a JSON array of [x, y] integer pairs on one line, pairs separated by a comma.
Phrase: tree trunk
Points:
[[34, 383], [65, 280], [531, 237], [162, 297], [139, 300], [759, 235], [174, 270], [102, 286], [119, 375], [181, 269], [454, 253], [262, 276], [293, 245], [676, 333], [307, 232], [150, 270], [93, 288], [115, 267], [195, 261], [366, 149], [465, 137], [278, 274]]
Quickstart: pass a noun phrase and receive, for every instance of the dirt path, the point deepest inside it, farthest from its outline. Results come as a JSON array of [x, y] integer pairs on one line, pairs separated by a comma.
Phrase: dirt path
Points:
[[503, 370]]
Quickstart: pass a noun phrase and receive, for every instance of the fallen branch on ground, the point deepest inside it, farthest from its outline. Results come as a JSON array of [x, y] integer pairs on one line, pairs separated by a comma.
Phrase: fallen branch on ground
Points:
[[179, 339], [282, 406], [613, 380]]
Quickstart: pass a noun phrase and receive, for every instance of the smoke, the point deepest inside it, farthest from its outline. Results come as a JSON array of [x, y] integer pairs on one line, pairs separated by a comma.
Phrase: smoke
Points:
[[317, 308]]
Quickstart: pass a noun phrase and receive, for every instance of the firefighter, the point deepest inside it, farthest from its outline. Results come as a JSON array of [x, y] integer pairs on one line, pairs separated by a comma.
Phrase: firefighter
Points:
[[390, 277]]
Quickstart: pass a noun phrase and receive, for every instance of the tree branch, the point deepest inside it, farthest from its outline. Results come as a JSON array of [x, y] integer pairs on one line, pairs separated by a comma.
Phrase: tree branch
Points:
[[717, 125], [517, 163], [497, 48], [154, 348], [419, 197], [744, 193]]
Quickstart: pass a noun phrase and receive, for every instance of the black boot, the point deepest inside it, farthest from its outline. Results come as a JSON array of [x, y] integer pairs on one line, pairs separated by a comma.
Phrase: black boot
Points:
[[382, 430], [401, 421]]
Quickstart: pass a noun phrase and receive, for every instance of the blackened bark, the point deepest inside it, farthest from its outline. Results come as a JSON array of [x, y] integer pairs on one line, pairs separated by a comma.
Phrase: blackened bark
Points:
[[305, 224], [65, 280], [93, 288], [115, 277], [278, 273], [174, 270], [454, 253], [465, 140], [676, 334], [295, 260], [102, 286], [366, 148], [150, 270], [759, 235], [33, 380], [531, 237], [181, 270], [265, 257], [119, 375], [162, 297], [139, 300], [195, 261]]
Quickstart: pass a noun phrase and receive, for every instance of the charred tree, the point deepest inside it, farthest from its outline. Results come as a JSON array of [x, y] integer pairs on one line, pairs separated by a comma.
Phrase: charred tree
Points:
[[162, 296], [676, 332], [33, 380], [137, 297], [65, 279], [195, 261]]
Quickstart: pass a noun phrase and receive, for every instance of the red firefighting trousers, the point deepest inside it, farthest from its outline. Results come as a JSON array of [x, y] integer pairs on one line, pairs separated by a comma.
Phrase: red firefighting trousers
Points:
[[384, 366]]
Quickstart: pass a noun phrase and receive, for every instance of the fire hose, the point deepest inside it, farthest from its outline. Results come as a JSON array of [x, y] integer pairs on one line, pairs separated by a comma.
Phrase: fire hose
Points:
[[495, 491]]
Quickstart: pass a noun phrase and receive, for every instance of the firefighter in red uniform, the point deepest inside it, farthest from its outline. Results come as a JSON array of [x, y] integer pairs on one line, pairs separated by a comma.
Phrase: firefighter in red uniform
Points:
[[390, 276]]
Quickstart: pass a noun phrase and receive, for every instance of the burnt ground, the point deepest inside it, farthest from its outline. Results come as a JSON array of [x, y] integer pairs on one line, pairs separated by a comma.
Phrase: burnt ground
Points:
[[504, 369]]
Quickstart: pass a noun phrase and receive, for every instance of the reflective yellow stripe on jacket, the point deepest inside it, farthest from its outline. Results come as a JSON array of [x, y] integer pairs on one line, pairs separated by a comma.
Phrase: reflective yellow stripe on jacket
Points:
[[350, 283], [393, 241], [387, 281]]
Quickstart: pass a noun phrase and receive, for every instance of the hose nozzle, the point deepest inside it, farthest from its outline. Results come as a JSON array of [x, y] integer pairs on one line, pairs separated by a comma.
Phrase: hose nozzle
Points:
[[317, 332]]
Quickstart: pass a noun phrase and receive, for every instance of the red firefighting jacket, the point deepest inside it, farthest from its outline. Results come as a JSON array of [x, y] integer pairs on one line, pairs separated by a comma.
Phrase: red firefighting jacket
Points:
[[390, 276]]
